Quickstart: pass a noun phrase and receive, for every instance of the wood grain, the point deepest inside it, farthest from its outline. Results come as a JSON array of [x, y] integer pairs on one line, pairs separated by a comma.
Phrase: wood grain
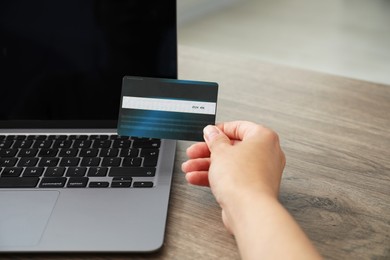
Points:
[[335, 132]]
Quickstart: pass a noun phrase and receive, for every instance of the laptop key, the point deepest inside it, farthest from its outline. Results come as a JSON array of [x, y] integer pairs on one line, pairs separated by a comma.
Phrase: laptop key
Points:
[[150, 161], [82, 137], [52, 182], [62, 144], [33, 171], [94, 161], [149, 152], [23, 144], [6, 144], [48, 152], [48, 162], [101, 144], [76, 171], [121, 144], [27, 162], [77, 182], [42, 144], [57, 137], [132, 162], [146, 143], [119, 137], [98, 184], [97, 171], [8, 162], [99, 137], [128, 179], [54, 171], [120, 184], [89, 152], [72, 152], [81, 143], [109, 152], [25, 182], [129, 152], [41, 137], [69, 161], [111, 161], [143, 184], [132, 172], [8, 152], [28, 152], [12, 172], [15, 137]]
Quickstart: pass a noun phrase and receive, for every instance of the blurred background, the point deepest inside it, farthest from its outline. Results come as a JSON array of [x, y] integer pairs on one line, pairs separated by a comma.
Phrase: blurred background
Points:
[[343, 37]]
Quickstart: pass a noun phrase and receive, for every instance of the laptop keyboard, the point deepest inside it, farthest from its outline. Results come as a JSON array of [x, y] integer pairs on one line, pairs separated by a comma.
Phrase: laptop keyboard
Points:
[[77, 161]]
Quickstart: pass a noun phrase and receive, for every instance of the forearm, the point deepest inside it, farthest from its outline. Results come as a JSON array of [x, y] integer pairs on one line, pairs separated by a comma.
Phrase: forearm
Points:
[[265, 230]]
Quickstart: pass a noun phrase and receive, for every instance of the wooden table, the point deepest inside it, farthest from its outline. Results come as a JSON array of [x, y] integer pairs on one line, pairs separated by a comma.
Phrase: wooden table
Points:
[[336, 135]]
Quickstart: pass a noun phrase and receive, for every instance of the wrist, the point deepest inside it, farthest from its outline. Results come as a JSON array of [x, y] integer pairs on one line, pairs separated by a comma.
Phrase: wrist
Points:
[[240, 204], [261, 224]]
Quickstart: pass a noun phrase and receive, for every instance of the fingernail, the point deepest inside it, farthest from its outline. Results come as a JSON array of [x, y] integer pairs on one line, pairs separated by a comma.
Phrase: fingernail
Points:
[[183, 165], [210, 131]]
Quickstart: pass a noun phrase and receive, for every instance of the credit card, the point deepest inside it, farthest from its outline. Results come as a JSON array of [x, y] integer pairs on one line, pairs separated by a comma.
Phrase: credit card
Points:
[[166, 108]]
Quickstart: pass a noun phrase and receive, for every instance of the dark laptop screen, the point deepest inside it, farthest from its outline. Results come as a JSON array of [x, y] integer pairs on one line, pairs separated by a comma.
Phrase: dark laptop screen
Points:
[[62, 61]]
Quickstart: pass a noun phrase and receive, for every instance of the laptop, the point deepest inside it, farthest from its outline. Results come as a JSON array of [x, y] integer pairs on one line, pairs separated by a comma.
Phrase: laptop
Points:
[[68, 182]]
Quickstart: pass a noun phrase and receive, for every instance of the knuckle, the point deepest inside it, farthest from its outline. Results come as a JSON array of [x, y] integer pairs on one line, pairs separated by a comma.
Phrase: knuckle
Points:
[[269, 134]]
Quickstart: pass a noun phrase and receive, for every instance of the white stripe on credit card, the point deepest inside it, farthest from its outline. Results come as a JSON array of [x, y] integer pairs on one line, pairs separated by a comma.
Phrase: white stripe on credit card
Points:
[[169, 105]]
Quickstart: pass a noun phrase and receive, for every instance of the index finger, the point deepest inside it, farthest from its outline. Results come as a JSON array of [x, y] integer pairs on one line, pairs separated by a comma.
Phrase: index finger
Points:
[[198, 150], [241, 130]]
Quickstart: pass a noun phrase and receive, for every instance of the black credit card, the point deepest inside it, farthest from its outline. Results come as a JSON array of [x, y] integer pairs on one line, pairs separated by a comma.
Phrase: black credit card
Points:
[[166, 108]]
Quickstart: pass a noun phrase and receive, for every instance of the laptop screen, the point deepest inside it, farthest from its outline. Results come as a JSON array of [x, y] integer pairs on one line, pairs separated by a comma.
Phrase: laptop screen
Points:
[[62, 61]]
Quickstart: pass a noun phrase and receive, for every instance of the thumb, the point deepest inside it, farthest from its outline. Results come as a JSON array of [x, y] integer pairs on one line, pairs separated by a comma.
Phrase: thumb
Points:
[[214, 137]]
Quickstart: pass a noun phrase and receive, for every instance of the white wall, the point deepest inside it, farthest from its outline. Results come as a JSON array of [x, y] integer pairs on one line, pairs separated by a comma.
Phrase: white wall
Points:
[[189, 10]]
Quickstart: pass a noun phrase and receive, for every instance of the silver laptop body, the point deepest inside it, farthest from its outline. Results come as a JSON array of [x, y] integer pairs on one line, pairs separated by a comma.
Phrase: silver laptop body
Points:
[[114, 38]]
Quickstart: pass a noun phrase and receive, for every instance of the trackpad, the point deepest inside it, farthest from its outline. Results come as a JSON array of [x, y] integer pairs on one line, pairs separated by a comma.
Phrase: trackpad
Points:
[[24, 215]]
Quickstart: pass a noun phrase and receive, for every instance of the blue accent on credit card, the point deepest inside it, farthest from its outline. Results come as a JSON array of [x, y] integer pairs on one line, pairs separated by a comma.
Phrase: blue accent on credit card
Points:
[[166, 108]]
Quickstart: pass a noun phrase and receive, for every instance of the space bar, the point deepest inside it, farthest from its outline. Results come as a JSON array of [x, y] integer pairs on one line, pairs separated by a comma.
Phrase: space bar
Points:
[[16, 182], [132, 172]]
